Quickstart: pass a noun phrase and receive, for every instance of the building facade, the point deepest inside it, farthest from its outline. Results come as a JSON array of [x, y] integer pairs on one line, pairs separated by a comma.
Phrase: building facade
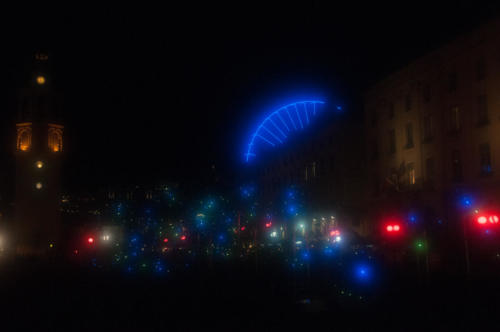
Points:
[[433, 131], [39, 145]]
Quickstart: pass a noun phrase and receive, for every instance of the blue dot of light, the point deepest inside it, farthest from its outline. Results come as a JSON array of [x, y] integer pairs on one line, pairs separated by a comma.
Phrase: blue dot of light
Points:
[[466, 201], [363, 273]]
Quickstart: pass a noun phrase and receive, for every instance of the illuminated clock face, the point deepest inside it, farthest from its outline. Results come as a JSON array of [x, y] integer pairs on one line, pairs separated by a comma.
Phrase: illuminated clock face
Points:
[[40, 80]]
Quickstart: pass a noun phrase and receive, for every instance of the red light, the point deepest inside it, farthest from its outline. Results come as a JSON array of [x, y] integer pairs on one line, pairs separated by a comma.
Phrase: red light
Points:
[[482, 220], [494, 219], [183, 237], [165, 240], [90, 240], [268, 224], [335, 233], [242, 228], [75, 251], [391, 228]]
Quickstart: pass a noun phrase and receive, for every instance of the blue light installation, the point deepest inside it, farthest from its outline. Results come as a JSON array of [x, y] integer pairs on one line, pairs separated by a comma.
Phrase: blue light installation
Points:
[[273, 130]]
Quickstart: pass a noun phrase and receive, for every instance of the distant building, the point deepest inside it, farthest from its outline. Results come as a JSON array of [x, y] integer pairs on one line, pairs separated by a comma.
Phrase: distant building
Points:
[[327, 167], [39, 145], [433, 131]]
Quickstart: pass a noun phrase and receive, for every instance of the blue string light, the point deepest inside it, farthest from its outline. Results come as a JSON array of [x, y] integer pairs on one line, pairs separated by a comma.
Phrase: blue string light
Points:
[[269, 131]]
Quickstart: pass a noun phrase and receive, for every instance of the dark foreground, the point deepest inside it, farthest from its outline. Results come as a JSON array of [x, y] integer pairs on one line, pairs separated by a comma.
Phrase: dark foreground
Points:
[[232, 296]]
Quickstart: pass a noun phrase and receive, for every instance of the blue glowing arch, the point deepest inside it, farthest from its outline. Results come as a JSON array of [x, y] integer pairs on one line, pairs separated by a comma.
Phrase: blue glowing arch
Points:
[[275, 127]]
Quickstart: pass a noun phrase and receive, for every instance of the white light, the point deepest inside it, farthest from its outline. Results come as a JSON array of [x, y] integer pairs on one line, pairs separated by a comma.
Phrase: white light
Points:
[[301, 225], [105, 237], [338, 239], [274, 234], [39, 164], [38, 185], [298, 242]]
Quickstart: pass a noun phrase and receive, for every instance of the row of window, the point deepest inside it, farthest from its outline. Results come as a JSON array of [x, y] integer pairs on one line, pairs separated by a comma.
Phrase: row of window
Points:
[[456, 162], [455, 118], [482, 117], [455, 125], [485, 162], [426, 90], [24, 138], [456, 168]]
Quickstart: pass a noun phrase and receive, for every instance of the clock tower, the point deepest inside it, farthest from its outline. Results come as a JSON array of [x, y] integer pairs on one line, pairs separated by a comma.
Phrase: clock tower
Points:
[[39, 145]]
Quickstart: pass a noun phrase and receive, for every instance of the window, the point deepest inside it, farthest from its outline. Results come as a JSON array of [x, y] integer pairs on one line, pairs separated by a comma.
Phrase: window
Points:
[[429, 171], [456, 166], [455, 119], [411, 174], [408, 102], [480, 69], [409, 135], [391, 110], [426, 93], [392, 141], [428, 127], [452, 82], [55, 137], [23, 137], [482, 110], [485, 158]]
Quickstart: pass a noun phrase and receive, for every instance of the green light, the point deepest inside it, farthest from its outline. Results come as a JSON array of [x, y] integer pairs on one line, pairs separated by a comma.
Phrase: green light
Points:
[[420, 245]]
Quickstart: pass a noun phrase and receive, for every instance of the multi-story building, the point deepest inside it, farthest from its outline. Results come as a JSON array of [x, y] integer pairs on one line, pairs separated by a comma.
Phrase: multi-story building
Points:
[[433, 131]]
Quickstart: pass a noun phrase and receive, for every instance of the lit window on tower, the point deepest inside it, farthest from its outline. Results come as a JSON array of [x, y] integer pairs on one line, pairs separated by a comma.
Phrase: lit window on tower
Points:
[[55, 137], [23, 136], [40, 80]]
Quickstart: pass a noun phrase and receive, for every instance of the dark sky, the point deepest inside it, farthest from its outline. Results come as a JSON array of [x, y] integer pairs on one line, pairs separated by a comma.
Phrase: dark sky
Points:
[[162, 93]]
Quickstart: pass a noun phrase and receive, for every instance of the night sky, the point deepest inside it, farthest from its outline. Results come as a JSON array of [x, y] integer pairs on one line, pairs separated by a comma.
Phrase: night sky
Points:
[[157, 94]]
